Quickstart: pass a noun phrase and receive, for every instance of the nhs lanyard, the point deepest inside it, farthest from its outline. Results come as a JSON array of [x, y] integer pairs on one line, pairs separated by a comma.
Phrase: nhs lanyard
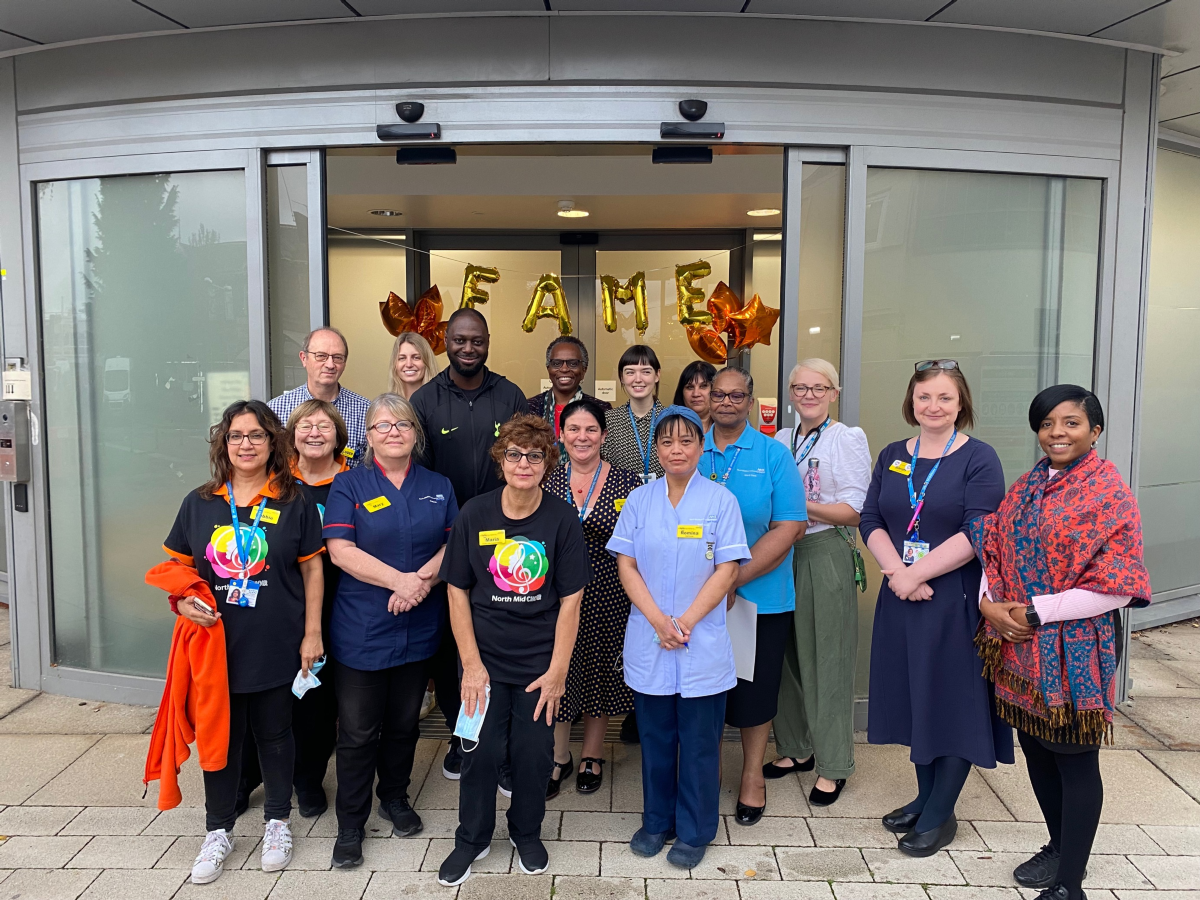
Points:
[[728, 468], [644, 452], [242, 548], [588, 500], [811, 441], [918, 500]]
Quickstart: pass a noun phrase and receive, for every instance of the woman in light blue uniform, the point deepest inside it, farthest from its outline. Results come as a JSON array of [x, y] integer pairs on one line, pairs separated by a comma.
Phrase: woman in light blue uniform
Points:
[[678, 544]]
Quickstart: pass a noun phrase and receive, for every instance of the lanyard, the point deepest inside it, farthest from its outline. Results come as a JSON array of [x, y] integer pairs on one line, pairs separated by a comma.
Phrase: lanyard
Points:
[[587, 500], [811, 441], [915, 500], [644, 452], [242, 549], [728, 468]]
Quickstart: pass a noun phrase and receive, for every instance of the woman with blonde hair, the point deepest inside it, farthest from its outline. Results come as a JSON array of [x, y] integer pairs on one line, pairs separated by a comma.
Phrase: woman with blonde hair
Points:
[[412, 365]]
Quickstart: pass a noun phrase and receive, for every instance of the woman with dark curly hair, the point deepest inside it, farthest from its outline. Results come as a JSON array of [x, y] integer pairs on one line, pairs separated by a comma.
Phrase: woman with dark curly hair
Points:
[[515, 568]]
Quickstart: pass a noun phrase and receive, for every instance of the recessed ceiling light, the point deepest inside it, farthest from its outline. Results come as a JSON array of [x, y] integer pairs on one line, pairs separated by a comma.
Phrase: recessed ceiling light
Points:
[[816, 329], [762, 212], [566, 209], [768, 235], [386, 212]]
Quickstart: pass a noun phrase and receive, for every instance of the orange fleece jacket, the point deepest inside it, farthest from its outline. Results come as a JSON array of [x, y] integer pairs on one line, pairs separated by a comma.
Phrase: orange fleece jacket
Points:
[[195, 701]]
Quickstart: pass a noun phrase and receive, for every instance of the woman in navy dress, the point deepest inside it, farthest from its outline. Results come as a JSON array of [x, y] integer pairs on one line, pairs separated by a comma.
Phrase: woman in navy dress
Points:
[[927, 689]]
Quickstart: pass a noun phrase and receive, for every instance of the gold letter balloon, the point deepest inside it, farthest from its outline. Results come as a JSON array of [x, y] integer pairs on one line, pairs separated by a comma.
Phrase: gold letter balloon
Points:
[[473, 276], [613, 292], [549, 285], [688, 295]]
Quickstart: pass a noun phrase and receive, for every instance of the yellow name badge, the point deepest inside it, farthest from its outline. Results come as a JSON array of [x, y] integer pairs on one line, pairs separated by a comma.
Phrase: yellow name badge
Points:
[[491, 538], [348, 452], [689, 531], [377, 504], [901, 466], [270, 516], [619, 505]]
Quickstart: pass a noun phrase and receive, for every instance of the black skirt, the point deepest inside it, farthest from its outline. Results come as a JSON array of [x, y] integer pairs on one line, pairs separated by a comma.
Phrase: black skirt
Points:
[[752, 703]]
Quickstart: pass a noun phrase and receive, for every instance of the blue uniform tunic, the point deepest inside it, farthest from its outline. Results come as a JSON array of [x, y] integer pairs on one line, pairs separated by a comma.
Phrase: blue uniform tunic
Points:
[[403, 528]]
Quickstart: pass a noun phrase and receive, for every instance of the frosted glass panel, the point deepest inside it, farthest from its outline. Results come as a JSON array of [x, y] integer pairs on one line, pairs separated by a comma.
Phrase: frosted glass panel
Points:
[[1169, 494], [145, 337], [361, 273], [287, 273]]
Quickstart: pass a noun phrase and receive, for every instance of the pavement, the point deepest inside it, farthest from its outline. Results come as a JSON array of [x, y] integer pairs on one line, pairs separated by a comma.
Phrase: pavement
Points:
[[74, 823]]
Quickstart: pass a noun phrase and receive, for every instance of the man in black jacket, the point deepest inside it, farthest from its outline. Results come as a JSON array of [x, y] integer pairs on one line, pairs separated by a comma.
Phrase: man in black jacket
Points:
[[461, 412]]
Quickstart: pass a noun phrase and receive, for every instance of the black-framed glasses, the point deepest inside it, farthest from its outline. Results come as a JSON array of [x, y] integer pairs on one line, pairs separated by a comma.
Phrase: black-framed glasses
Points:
[[386, 427], [535, 457], [734, 397], [926, 364], [256, 438], [339, 359], [573, 364], [817, 390]]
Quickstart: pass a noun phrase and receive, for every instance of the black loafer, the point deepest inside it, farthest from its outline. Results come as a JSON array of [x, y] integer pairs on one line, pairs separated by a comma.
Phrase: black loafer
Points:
[[818, 797], [770, 770], [554, 785], [900, 822], [927, 843], [589, 782], [748, 815]]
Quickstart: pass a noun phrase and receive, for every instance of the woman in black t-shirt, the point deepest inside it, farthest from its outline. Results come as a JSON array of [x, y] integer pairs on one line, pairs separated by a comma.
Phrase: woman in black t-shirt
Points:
[[258, 550], [515, 567]]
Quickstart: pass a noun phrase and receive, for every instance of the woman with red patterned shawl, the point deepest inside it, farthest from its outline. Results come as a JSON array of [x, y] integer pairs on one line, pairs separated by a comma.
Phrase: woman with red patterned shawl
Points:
[[1060, 557]]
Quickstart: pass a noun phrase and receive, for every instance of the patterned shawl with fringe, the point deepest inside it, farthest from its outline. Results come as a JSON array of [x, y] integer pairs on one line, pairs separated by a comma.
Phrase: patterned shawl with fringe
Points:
[[1079, 530]]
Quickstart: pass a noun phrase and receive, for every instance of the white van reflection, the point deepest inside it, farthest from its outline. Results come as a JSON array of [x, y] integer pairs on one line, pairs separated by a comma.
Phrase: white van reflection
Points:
[[116, 380]]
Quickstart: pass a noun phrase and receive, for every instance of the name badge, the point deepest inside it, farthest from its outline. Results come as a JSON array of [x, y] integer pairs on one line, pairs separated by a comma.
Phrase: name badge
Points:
[[377, 504], [491, 538], [348, 452], [619, 505], [270, 516], [689, 531], [242, 595], [914, 550], [901, 467]]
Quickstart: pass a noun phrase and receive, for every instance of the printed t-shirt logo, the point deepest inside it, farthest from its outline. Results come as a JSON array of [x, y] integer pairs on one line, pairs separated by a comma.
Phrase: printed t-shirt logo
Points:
[[222, 551], [519, 565]]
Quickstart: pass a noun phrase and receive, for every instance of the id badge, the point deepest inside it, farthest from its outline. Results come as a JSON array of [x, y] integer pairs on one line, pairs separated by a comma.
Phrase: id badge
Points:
[[646, 479], [238, 595], [914, 550]]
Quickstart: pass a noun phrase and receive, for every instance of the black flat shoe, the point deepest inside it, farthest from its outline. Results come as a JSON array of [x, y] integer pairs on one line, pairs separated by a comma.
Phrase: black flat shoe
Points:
[[629, 730], [748, 815], [900, 822], [818, 797], [588, 782], [927, 843], [770, 770], [561, 770]]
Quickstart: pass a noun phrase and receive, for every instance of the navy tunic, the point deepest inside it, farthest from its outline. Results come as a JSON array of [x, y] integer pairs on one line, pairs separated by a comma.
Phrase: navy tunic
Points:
[[927, 686], [403, 528]]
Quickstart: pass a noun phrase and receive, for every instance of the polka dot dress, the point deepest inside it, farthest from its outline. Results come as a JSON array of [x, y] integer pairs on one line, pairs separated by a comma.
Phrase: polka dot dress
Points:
[[621, 445], [596, 679]]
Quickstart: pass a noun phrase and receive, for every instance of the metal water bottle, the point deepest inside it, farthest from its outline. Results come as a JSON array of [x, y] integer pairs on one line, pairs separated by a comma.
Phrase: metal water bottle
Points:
[[812, 481]]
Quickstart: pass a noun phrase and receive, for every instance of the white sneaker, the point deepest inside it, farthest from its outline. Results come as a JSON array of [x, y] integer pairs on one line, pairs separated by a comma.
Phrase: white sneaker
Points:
[[210, 862], [276, 846], [427, 703]]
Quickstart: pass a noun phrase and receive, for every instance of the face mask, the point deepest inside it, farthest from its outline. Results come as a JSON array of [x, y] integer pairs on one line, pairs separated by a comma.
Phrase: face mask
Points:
[[468, 727], [302, 683]]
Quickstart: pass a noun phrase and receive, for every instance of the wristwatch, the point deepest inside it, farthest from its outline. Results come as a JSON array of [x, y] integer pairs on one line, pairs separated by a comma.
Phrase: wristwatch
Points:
[[1032, 617]]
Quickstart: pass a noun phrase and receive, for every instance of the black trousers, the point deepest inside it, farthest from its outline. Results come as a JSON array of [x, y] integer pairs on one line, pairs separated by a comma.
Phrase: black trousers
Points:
[[379, 724], [530, 748], [443, 669], [268, 714], [1070, 792]]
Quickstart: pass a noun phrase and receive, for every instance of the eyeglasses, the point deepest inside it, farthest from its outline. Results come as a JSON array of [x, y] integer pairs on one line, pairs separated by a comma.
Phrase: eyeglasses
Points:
[[339, 359], [256, 438], [735, 397], [386, 427], [817, 390], [573, 364], [535, 457], [307, 427], [926, 364]]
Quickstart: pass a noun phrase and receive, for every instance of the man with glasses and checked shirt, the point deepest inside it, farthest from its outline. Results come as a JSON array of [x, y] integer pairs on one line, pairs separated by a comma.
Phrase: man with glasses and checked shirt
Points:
[[324, 359]]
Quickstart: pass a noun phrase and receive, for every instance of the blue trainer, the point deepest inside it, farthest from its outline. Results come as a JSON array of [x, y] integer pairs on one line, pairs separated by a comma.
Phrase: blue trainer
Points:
[[646, 844]]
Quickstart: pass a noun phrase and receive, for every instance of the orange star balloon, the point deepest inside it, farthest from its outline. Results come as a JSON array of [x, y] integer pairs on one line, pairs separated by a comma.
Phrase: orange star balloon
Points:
[[425, 320], [746, 325], [755, 321]]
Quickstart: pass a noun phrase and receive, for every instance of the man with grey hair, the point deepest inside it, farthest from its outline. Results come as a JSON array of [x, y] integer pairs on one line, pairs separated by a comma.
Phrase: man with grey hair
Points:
[[324, 359], [566, 364]]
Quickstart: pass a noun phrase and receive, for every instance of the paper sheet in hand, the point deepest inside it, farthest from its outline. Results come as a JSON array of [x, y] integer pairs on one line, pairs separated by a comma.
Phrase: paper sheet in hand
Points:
[[742, 622]]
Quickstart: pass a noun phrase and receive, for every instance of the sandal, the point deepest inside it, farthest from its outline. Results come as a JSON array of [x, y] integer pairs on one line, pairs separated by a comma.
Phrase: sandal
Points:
[[560, 769], [589, 782]]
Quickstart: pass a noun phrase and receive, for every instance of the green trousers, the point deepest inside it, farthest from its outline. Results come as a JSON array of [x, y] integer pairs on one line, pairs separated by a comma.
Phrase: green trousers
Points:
[[816, 696]]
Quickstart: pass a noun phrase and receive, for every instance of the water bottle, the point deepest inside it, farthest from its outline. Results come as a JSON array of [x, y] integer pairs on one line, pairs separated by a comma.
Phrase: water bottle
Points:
[[812, 481]]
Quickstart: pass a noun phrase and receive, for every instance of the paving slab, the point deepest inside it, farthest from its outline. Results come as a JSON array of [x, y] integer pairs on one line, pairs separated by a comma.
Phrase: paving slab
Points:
[[571, 858], [506, 887], [1177, 840], [657, 889], [597, 826], [391, 854], [1028, 837], [344, 884], [973, 892], [894, 866], [1182, 768], [616, 859], [878, 892], [31, 761], [110, 820], [31, 820], [1129, 735], [110, 852], [39, 852], [231, 886], [627, 778], [1170, 872], [1188, 668], [1175, 722], [183, 851], [177, 821], [572, 888], [498, 860], [774, 831], [110, 774], [785, 796], [737, 864], [47, 884], [55, 714], [1155, 678], [1156, 895], [997, 868], [1179, 641], [147, 885], [785, 890], [404, 886], [822, 864]]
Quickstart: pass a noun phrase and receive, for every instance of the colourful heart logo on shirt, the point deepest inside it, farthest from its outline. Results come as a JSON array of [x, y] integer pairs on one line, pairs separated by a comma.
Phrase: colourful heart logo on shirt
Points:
[[222, 551], [519, 565]]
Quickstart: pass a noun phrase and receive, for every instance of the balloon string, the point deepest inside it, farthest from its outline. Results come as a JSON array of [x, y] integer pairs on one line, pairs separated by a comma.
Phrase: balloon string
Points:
[[533, 275]]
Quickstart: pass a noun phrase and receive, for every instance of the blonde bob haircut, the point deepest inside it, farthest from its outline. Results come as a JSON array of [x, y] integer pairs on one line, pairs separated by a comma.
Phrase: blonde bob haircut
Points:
[[402, 410], [821, 366], [395, 385], [311, 407]]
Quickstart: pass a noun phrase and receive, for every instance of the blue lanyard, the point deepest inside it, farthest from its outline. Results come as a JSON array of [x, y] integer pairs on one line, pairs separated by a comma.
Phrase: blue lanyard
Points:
[[915, 500], [728, 468], [587, 500], [811, 440], [643, 451], [242, 549]]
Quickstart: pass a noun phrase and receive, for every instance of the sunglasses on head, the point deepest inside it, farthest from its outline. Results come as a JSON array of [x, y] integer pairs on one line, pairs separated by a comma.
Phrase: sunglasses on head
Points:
[[926, 364]]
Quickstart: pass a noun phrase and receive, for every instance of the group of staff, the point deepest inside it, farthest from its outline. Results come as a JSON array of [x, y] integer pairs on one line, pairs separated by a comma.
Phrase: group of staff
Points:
[[551, 559]]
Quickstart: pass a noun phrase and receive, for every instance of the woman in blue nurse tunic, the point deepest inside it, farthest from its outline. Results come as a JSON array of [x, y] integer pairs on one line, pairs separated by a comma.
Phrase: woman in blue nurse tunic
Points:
[[385, 526], [678, 544]]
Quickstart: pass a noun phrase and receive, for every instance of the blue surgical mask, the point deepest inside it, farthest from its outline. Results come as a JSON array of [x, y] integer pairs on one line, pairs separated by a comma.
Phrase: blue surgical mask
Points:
[[467, 728]]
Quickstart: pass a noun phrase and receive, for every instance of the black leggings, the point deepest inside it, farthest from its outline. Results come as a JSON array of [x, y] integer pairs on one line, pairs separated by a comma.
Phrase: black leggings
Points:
[[1070, 792], [269, 715]]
